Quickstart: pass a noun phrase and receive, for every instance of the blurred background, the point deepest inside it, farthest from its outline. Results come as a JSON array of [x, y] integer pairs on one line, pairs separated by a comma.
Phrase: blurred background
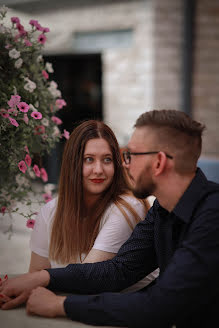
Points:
[[115, 59]]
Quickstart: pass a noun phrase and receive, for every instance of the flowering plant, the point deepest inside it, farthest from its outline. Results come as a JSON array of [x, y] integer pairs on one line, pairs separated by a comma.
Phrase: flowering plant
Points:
[[28, 105]]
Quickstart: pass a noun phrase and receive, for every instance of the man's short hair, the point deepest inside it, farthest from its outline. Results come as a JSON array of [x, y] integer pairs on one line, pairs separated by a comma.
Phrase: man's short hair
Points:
[[177, 134]]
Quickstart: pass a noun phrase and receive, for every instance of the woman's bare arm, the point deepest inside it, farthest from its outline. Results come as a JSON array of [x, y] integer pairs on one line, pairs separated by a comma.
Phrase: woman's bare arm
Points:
[[96, 255], [38, 263]]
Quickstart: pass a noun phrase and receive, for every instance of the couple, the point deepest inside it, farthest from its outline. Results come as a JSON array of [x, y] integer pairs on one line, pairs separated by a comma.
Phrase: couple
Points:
[[180, 236]]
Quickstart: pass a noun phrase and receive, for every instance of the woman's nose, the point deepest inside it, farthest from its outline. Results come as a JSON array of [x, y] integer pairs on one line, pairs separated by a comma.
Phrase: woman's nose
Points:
[[98, 167]]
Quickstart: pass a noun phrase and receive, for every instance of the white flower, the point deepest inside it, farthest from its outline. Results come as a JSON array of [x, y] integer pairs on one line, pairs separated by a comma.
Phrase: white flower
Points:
[[18, 63], [30, 86], [39, 58], [57, 94], [56, 131], [49, 187], [3, 10], [33, 108], [21, 181], [32, 174], [49, 67], [53, 90], [15, 90], [45, 122], [53, 84], [13, 53]]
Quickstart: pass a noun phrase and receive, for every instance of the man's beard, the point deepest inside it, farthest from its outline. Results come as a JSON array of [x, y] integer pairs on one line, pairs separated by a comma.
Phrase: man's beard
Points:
[[143, 192], [144, 187]]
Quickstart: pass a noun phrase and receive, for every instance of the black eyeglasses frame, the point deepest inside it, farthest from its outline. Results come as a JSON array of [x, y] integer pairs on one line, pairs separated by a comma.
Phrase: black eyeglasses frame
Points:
[[127, 155]]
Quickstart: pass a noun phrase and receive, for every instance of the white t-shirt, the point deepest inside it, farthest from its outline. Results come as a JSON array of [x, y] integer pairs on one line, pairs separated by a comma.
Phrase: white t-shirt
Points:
[[113, 232]]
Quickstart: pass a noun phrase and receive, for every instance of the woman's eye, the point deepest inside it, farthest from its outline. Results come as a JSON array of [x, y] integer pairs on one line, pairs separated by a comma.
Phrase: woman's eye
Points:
[[88, 159], [108, 160]]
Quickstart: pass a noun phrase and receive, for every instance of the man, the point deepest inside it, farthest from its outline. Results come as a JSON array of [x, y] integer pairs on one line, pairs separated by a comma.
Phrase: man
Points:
[[180, 235]]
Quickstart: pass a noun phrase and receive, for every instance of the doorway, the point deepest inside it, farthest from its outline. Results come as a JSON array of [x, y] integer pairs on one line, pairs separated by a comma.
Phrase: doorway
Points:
[[79, 78]]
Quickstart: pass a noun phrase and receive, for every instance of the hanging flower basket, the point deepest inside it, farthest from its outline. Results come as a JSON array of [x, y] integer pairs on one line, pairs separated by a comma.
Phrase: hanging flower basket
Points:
[[29, 101]]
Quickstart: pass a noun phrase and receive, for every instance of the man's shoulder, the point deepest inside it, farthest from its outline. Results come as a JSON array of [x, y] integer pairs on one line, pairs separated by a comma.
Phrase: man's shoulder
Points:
[[212, 187], [210, 194], [210, 197]]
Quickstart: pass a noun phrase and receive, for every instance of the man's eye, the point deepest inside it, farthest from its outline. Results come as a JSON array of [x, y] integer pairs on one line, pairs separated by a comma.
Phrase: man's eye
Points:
[[108, 160], [88, 159]]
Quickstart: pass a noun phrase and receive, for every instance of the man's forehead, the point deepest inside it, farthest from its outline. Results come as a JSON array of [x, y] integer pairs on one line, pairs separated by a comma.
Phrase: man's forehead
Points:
[[138, 138]]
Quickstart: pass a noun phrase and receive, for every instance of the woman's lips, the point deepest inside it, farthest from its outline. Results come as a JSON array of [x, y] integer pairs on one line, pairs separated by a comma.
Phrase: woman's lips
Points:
[[97, 180]]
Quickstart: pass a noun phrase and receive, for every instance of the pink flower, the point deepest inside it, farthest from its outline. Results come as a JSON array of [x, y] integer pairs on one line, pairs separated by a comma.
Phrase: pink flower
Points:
[[38, 26], [60, 103], [13, 111], [56, 120], [30, 223], [22, 166], [45, 29], [36, 115], [28, 160], [33, 22], [24, 107], [14, 101], [21, 29], [39, 129], [15, 20], [13, 122], [26, 119], [42, 38], [27, 43], [4, 113], [35, 213], [47, 197], [22, 33], [44, 137], [3, 209], [36, 170], [26, 149], [66, 134], [44, 174], [45, 74]]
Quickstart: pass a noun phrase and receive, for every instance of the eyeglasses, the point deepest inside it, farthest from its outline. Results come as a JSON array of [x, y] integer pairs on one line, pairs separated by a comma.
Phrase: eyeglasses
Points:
[[127, 155]]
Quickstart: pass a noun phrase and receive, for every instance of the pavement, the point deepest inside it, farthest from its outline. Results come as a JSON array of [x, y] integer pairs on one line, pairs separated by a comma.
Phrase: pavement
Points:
[[14, 239]]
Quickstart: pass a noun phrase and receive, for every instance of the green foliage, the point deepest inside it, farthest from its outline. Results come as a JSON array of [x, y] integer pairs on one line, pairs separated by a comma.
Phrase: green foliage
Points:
[[23, 73]]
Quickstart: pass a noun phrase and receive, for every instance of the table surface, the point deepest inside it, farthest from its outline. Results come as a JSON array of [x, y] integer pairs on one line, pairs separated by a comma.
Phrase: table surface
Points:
[[18, 318]]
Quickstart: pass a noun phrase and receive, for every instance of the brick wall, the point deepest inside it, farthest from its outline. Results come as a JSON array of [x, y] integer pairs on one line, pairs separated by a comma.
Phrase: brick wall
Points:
[[127, 73], [148, 74], [206, 73], [168, 43]]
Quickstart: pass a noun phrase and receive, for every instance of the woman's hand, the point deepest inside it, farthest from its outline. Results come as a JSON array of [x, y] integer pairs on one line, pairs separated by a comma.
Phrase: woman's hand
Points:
[[17, 290], [45, 303]]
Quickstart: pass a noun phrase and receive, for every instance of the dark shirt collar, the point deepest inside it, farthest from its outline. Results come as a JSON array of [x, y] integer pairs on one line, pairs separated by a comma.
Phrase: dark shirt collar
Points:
[[185, 206], [195, 191]]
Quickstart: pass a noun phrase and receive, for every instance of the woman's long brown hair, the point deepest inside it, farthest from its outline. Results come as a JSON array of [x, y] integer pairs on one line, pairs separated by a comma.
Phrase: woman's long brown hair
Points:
[[73, 232]]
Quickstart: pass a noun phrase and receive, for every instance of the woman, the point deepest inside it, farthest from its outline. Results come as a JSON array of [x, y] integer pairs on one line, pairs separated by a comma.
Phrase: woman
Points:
[[94, 213]]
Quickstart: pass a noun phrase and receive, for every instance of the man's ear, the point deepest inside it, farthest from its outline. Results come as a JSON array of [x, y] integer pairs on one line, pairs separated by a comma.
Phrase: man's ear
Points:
[[160, 163]]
